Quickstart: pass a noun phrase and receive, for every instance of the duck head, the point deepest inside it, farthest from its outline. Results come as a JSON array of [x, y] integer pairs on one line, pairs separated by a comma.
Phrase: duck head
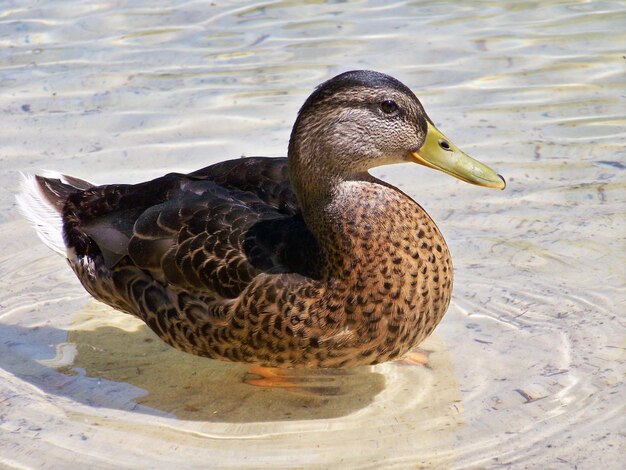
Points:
[[362, 119]]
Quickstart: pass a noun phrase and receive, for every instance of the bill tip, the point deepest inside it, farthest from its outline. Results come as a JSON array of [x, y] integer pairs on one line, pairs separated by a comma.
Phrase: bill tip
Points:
[[503, 181]]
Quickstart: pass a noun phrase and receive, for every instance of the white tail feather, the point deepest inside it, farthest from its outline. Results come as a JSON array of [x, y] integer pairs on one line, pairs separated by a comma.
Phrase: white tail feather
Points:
[[36, 208]]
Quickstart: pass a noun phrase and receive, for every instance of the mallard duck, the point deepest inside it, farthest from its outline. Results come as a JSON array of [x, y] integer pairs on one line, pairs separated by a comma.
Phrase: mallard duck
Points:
[[299, 262]]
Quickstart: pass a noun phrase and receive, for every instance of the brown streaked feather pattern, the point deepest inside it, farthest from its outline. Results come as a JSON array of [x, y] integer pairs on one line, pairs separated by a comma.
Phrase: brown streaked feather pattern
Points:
[[300, 262], [216, 287]]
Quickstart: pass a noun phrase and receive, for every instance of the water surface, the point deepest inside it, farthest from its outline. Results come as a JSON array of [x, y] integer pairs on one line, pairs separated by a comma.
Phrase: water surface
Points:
[[527, 368]]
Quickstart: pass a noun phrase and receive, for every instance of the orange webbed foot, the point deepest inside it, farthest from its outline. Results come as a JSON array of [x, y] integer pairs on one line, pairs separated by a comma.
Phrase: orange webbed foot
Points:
[[318, 382], [269, 377], [417, 357]]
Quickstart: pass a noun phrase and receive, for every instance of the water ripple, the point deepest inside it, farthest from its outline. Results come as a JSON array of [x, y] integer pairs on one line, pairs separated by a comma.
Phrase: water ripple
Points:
[[526, 369]]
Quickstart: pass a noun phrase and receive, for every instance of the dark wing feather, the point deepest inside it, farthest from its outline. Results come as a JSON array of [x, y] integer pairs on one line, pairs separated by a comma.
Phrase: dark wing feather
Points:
[[211, 231], [266, 177]]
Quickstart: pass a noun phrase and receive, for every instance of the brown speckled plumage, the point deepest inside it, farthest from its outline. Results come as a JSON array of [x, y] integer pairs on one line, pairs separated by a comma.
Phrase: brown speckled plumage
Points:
[[306, 262]]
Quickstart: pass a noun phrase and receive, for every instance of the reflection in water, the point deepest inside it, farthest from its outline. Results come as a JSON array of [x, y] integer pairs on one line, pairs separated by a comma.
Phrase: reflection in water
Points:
[[196, 388], [113, 377], [531, 374]]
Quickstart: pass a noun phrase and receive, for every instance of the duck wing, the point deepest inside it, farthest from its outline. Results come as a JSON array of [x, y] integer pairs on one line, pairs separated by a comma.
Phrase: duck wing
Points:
[[213, 230], [265, 177]]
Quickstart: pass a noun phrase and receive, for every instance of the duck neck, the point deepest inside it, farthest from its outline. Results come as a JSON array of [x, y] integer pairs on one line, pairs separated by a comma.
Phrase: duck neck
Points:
[[323, 201], [320, 163], [346, 213]]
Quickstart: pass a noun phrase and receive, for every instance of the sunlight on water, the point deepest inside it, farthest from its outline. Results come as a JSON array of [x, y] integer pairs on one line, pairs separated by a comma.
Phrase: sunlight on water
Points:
[[527, 368]]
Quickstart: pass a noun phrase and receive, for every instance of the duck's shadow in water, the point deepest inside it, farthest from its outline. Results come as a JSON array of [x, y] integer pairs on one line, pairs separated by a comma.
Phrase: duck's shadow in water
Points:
[[143, 374], [195, 388]]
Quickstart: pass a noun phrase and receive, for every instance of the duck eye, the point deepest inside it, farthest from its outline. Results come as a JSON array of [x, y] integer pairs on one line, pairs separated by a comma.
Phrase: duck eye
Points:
[[388, 106]]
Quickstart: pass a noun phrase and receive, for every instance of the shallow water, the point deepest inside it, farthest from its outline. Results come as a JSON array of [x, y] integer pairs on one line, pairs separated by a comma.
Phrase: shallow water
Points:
[[527, 368]]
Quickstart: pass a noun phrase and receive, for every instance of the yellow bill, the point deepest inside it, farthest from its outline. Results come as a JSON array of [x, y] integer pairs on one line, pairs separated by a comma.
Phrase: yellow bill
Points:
[[441, 154]]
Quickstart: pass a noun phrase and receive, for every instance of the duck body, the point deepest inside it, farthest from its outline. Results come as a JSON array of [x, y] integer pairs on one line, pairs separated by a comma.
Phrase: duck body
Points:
[[303, 262]]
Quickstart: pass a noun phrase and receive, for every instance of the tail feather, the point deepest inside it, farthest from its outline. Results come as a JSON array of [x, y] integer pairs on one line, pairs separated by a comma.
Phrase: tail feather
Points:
[[41, 200]]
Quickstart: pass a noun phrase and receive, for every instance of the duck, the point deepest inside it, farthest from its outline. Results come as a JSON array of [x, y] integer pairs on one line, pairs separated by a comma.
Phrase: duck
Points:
[[302, 262]]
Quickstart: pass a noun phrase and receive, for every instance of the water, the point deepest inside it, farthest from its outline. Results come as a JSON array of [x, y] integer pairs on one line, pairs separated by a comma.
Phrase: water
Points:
[[527, 368]]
